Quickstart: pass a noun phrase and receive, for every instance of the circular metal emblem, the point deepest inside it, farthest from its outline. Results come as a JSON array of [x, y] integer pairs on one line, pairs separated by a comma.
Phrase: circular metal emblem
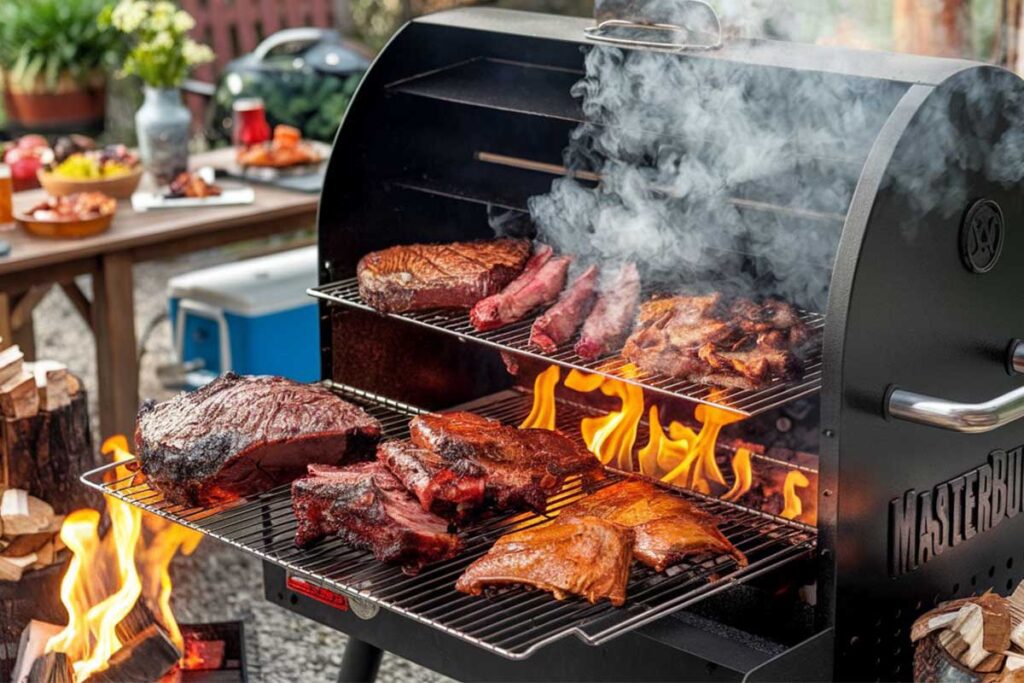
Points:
[[981, 236], [364, 609]]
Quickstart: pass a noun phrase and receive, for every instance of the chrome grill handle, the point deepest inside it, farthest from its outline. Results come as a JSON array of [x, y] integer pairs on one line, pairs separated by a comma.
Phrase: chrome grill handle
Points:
[[967, 418]]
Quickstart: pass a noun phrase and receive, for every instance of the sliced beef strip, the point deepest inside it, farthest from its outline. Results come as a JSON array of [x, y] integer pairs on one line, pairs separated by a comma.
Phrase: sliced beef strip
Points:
[[610, 320], [538, 285], [557, 325]]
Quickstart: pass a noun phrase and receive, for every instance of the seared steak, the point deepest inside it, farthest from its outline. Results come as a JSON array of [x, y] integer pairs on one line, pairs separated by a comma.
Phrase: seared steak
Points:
[[367, 507], [581, 556], [712, 339], [557, 325], [452, 489], [417, 276], [538, 285], [522, 467], [609, 322], [238, 436], [667, 528]]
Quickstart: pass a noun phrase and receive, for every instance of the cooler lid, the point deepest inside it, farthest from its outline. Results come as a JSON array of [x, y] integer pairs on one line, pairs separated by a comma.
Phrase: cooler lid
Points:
[[253, 287]]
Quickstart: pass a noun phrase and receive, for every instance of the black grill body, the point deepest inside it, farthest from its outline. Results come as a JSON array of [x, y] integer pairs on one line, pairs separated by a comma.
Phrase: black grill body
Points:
[[905, 308]]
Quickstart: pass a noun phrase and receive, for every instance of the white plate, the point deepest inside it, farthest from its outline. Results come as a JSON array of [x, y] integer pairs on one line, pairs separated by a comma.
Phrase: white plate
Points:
[[144, 201]]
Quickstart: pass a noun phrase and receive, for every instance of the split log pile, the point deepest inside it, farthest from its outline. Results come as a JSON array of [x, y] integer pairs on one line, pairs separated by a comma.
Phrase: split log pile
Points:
[[973, 639]]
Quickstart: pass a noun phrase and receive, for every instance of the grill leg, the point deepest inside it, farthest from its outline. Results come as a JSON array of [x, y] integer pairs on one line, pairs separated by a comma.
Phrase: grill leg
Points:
[[360, 662]]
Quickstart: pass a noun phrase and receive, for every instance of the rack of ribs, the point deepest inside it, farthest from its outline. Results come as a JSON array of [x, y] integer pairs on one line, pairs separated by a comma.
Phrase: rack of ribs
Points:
[[583, 556], [367, 507], [667, 528]]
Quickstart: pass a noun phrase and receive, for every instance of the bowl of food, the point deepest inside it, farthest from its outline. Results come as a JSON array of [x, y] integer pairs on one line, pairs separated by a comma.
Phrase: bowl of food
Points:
[[81, 214], [114, 170]]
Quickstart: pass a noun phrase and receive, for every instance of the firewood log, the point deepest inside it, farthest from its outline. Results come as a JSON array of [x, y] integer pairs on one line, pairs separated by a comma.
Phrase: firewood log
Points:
[[11, 363], [11, 568], [53, 667], [24, 514], [32, 646], [19, 397], [26, 544], [52, 384]]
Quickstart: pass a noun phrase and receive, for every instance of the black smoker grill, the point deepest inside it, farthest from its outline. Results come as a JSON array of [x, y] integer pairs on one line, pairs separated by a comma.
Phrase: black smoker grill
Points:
[[460, 121]]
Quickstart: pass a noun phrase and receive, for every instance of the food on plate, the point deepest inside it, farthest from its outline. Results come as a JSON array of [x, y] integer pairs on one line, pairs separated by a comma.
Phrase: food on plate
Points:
[[610, 320], [81, 206], [367, 507], [191, 185], [667, 528], [520, 467], [456, 275], [557, 325], [732, 342], [583, 556], [451, 489], [241, 435], [285, 149], [538, 285], [113, 161]]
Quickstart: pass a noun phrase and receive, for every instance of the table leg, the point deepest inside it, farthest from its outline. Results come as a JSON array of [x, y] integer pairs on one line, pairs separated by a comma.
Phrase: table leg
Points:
[[6, 327], [15, 331], [117, 366]]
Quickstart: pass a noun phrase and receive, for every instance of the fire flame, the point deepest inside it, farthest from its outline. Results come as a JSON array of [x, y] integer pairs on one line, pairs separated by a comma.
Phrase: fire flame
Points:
[[542, 415], [793, 507], [611, 437], [94, 609], [678, 455]]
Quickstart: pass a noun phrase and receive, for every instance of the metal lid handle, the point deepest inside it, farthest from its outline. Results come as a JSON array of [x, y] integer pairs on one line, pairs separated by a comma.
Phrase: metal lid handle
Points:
[[601, 33], [967, 418]]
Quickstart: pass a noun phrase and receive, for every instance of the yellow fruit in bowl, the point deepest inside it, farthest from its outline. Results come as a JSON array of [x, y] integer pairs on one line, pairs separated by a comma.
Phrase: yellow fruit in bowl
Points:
[[84, 166]]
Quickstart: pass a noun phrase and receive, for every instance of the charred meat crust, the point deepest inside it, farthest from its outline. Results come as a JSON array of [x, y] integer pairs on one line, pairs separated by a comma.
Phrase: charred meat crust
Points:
[[238, 436]]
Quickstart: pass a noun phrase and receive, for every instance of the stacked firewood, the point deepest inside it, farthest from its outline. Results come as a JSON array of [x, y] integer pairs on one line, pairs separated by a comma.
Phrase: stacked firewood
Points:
[[982, 635], [27, 388], [29, 534]]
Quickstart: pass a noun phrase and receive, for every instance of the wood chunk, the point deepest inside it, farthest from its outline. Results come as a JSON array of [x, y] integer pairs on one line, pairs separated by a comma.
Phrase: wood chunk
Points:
[[991, 664], [12, 362], [52, 384], [24, 514], [931, 621], [26, 544], [74, 386], [146, 657], [19, 398], [32, 646], [983, 625], [53, 667], [1014, 661], [45, 556], [11, 568]]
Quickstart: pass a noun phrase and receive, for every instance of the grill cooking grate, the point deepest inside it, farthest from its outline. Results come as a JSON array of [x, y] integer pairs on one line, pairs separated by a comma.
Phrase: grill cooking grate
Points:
[[512, 622], [516, 338]]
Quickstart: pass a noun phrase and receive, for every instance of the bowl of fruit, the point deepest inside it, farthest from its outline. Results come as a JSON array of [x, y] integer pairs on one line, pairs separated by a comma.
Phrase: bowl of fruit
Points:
[[113, 170], [26, 156]]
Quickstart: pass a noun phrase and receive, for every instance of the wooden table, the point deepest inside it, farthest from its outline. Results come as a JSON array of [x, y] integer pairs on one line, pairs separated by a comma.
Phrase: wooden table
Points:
[[35, 265]]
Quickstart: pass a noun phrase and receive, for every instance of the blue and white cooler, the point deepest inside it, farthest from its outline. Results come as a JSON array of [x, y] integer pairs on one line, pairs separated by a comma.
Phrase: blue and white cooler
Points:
[[250, 317]]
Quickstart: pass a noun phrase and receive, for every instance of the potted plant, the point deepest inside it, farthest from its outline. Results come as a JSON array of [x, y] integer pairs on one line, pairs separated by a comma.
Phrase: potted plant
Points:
[[160, 53], [54, 58]]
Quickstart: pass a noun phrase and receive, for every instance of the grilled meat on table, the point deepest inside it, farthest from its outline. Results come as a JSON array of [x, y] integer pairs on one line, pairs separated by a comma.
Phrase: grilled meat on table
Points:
[[367, 507], [539, 284], [667, 528], [583, 556], [610, 320], [239, 436], [457, 275], [452, 489], [557, 325]]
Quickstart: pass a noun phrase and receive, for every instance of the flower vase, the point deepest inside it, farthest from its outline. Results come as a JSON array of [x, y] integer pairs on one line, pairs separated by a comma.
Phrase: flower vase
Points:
[[162, 124]]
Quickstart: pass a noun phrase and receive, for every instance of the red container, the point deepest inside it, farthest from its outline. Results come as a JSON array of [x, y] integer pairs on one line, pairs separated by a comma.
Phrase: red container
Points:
[[251, 127]]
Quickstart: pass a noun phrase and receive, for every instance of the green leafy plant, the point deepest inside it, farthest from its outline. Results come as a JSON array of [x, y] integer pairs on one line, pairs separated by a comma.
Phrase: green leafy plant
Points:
[[51, 45], [160, 51]]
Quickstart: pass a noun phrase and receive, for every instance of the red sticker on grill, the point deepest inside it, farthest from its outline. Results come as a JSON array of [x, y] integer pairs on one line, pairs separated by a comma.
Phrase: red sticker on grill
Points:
[[319, 593]]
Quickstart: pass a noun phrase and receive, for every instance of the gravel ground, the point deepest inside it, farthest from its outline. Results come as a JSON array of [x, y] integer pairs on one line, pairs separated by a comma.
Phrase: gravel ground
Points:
[[217, 583]]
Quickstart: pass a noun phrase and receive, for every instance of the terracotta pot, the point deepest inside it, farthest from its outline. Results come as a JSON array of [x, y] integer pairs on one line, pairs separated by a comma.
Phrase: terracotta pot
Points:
[[83, 107]]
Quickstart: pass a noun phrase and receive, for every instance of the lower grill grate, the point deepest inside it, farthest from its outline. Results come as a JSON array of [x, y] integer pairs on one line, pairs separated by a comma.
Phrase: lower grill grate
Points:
[[516, 338], [511, 622]]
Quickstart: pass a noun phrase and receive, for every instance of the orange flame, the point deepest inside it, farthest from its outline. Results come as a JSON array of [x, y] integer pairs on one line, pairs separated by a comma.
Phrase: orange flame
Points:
[[542, 415], [94, 610], [743, 475], [793, 507], [700, 465], [611, 437]]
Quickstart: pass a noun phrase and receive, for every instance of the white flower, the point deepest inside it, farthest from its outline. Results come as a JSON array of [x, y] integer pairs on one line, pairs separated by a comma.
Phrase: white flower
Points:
[[128, 15], [183, 21], [196, 53], [162, 41]]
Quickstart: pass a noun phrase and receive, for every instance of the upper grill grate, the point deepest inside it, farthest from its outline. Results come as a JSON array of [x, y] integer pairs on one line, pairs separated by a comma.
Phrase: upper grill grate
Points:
[[516, 338], [510, 622]]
